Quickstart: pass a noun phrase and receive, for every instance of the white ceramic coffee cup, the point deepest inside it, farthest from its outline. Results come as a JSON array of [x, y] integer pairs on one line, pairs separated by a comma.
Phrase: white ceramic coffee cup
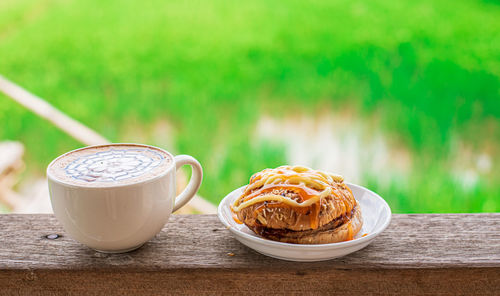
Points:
[[120, 218]]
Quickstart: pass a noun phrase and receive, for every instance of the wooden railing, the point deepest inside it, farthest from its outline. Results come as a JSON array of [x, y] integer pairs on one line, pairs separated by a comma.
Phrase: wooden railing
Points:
[[430, 254], [73, 128]]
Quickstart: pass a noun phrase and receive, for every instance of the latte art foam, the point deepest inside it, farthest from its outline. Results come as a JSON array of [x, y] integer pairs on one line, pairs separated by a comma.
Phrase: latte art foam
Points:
[[122, 164], [113, 165]]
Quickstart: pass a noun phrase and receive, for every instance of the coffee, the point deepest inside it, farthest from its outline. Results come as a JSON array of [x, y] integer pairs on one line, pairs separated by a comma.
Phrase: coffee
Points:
[[115, 197], [110, 165]]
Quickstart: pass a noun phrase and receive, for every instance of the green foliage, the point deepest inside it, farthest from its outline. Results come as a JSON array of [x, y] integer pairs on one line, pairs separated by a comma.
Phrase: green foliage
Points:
[[428, 70]]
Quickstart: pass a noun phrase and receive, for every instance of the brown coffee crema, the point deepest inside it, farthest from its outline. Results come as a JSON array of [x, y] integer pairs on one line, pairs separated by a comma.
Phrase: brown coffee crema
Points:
[[110, 165]]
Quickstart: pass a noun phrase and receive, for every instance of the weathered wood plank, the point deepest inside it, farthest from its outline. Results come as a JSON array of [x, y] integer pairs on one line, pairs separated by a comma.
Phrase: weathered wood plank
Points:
[[201, 241], [266, 282], [437, 254]]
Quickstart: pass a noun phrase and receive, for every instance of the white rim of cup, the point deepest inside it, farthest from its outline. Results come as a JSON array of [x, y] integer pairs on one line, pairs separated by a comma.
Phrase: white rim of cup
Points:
[[111, 185]]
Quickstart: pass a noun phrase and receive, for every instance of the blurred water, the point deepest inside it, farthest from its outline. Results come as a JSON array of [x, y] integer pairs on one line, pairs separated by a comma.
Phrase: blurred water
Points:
[[337, 143]]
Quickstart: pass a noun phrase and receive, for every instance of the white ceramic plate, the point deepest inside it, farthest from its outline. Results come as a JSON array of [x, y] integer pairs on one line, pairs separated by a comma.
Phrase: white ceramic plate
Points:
[[376, 217]]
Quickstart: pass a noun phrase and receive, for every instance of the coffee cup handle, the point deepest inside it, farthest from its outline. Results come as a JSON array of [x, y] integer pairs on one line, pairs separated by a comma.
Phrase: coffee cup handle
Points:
[[193, 185]]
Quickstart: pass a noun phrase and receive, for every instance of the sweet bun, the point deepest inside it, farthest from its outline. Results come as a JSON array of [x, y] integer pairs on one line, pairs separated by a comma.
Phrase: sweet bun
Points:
[[295, 204]]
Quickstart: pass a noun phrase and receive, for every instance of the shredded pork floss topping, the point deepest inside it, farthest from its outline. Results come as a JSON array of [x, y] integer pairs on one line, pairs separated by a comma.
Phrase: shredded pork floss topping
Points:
[[310, 185]]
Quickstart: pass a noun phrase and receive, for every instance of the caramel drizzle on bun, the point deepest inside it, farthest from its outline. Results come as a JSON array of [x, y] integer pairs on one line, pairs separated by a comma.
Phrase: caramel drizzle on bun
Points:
[[311, 187]]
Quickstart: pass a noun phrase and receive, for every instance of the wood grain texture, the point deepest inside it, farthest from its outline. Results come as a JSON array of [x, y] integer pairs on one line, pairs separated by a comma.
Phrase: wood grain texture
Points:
[[419, 254]]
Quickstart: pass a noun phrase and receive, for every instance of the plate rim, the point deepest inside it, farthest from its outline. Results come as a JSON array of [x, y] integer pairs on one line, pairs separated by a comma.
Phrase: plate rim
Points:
[[337, 245]]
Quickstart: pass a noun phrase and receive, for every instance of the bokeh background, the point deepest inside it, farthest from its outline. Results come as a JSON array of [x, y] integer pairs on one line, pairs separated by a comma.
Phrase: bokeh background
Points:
[[402, 97]]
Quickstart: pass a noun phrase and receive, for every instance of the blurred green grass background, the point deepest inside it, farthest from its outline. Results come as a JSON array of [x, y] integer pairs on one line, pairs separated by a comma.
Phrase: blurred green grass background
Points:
[[194, 77]]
